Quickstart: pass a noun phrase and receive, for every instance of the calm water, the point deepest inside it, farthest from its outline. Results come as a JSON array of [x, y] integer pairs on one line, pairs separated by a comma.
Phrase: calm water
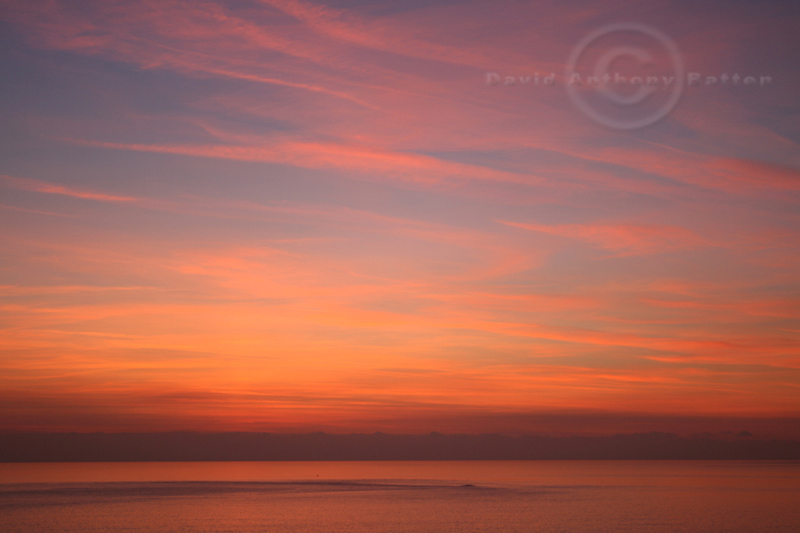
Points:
[[355, 497]]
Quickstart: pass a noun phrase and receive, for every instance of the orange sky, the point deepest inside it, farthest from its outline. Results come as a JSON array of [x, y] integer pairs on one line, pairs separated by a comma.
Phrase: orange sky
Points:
[[288, 216]]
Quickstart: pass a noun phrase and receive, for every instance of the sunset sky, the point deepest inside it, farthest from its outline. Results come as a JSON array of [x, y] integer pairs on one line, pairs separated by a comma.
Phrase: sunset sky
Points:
[[290, 215]]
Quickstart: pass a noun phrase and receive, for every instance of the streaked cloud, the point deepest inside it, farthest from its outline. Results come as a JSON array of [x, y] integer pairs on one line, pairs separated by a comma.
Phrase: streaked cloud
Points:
[[294, 215]]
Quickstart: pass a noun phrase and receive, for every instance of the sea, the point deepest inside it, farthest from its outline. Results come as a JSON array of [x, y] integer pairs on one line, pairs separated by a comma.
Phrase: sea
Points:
[[402, 497]]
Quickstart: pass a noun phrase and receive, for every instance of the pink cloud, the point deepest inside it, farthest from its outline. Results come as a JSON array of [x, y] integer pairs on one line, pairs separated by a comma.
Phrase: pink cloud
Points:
[[29, 184], [626, 238], [409, 167]]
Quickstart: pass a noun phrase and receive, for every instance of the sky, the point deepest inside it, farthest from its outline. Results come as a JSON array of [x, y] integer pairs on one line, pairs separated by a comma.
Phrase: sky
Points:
[[358, 216]]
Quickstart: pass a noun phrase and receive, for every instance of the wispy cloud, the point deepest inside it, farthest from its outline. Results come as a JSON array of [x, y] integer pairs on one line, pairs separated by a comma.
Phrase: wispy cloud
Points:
[[29, 184], [630, 238], [409, 167]]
